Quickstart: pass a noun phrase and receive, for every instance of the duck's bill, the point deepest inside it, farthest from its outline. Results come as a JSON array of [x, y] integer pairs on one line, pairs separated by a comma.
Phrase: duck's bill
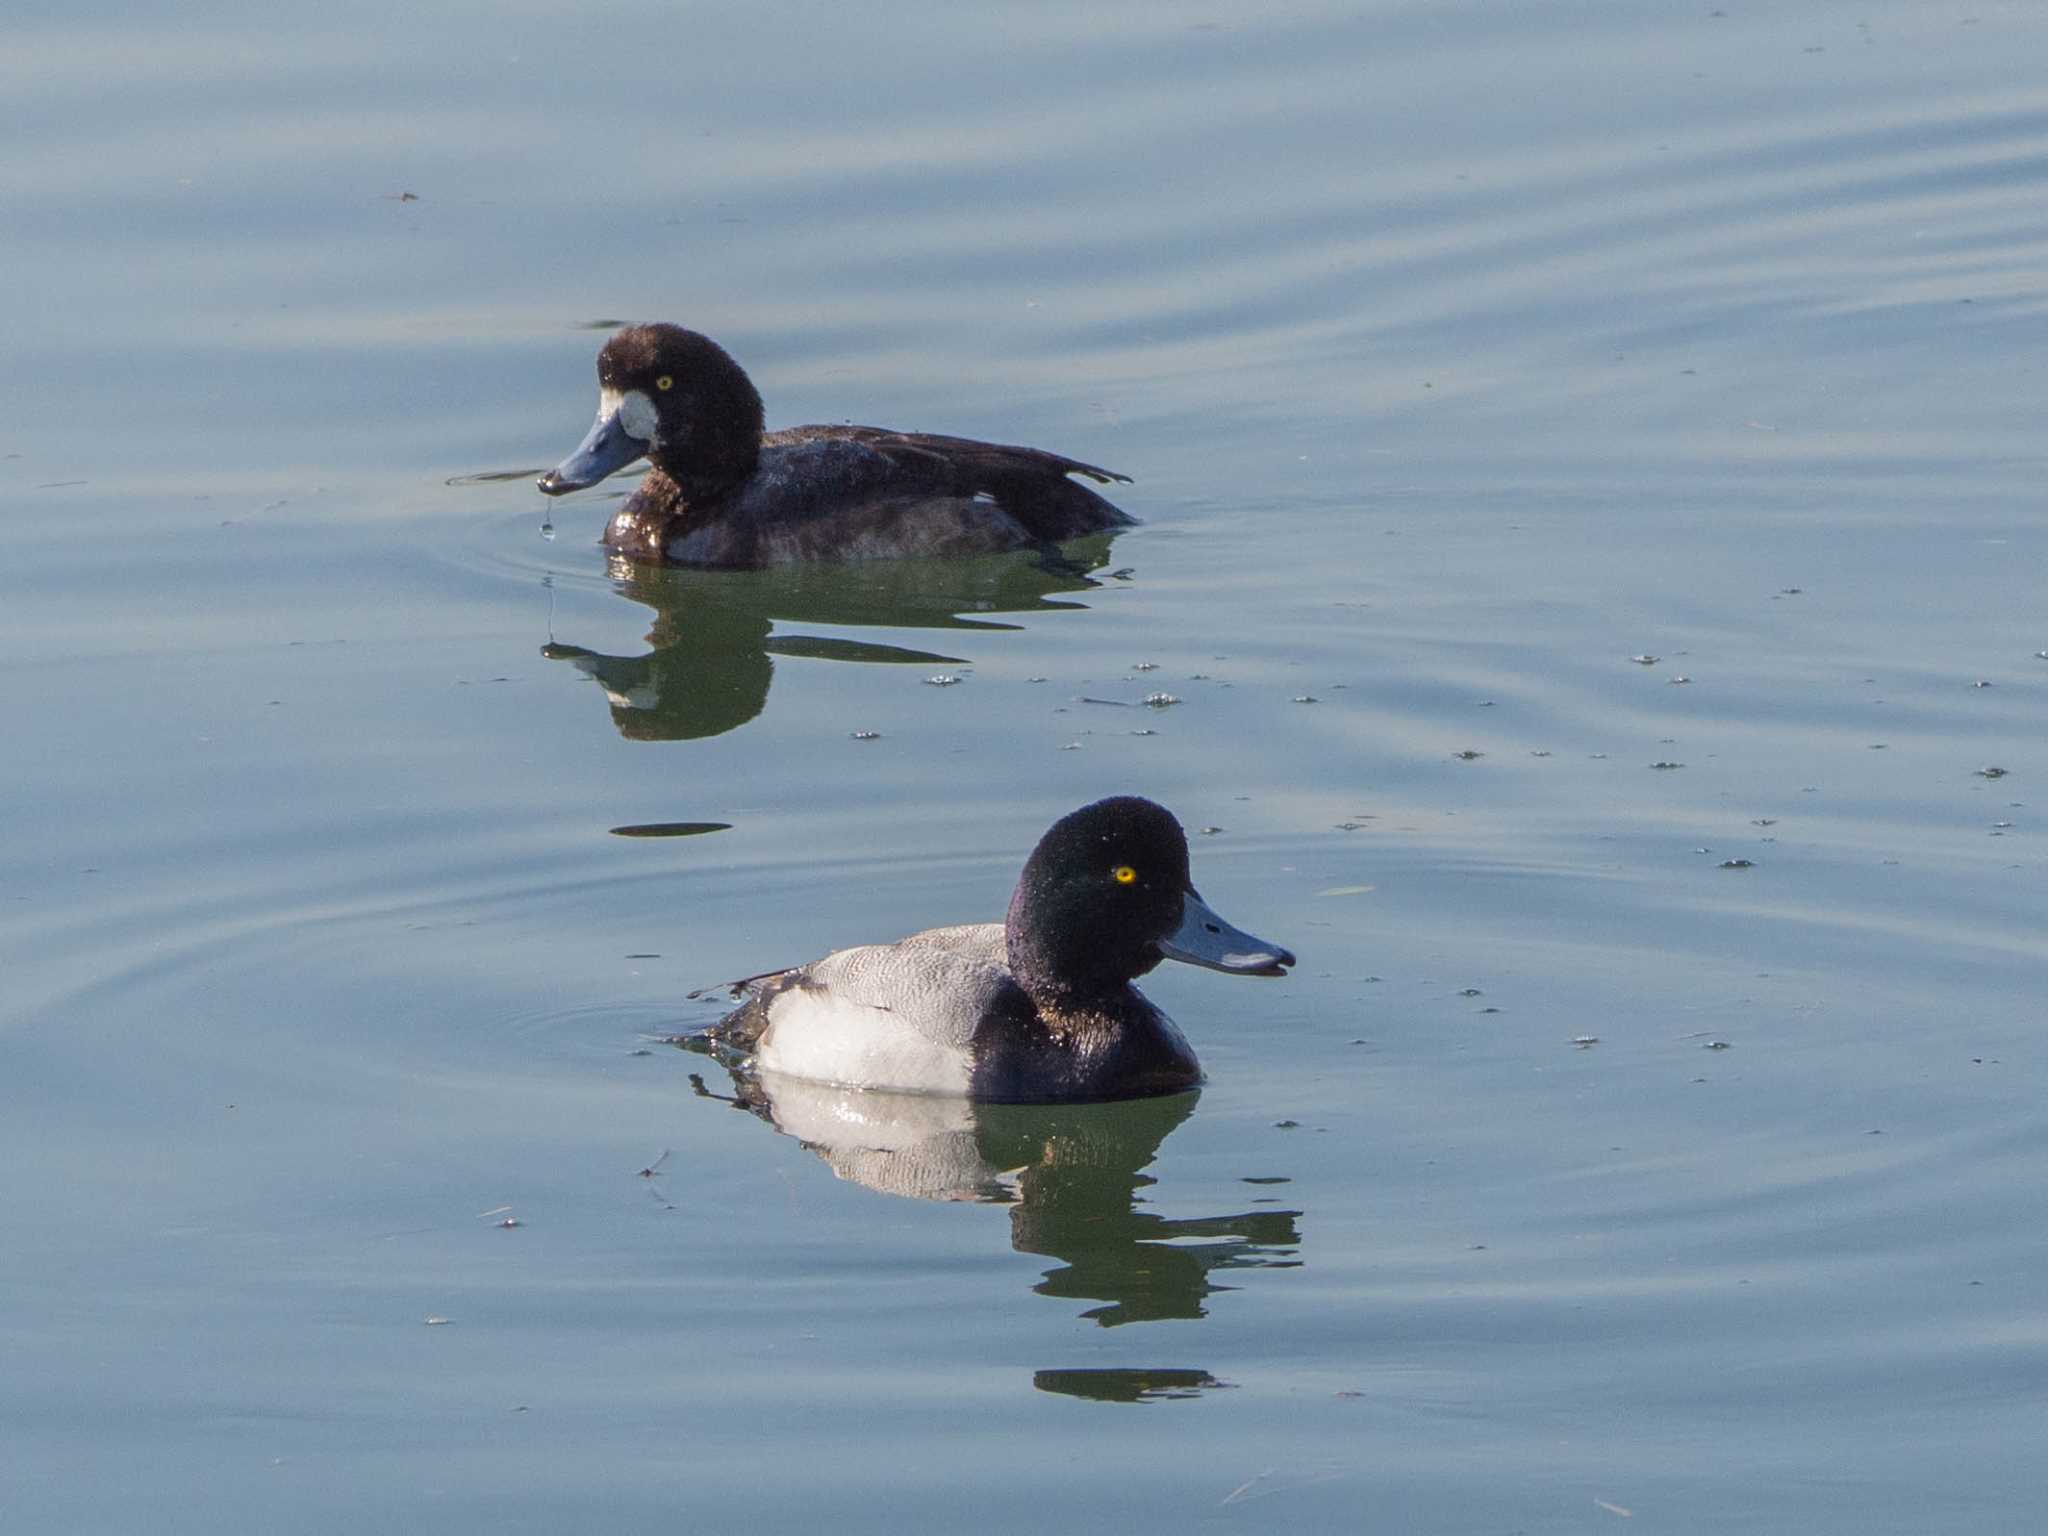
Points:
[[1204, 938], [607, 447]]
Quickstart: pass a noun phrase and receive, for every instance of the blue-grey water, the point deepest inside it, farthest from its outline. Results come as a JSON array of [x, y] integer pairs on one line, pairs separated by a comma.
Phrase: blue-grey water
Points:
[[1590, 462]]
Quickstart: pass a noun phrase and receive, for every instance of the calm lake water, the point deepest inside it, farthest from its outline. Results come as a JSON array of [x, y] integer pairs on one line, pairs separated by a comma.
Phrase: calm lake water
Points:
[[1590, 463]]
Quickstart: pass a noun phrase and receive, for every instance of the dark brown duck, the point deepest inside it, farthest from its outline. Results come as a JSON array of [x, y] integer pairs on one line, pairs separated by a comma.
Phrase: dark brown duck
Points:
[[722, 492]]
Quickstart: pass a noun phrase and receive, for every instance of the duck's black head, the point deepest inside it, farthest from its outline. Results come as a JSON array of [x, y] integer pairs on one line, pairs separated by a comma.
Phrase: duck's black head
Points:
[[1105, 896], [676, 397]]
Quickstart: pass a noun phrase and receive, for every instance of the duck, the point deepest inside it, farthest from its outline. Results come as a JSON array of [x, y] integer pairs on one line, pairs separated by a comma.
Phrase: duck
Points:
[[723, 492], [1036, 1009]]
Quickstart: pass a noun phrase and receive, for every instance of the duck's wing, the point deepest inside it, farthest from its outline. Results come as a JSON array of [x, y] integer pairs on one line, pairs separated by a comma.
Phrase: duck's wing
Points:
[[1029, 484], [958, 455]]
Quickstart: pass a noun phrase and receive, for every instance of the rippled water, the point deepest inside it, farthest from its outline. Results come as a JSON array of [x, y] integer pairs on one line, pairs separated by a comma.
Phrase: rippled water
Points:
[[1589, 462]]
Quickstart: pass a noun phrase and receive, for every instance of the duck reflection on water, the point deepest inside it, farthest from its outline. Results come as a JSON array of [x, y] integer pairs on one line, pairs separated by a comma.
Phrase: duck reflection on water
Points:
[[713, 640], [1072, 1175]]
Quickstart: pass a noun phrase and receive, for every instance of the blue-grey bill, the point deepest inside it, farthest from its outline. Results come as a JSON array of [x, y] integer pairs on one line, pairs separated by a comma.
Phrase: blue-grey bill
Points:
[[1204, 938], [607, 447]]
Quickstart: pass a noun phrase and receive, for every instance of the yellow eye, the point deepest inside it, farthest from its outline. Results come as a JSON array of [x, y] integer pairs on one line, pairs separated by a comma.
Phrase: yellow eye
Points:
[[1123, 874], [666, 381]]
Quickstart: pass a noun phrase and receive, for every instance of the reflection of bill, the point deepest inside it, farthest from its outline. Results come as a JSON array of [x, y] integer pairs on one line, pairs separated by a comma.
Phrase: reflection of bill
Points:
[[1072, 1175], [713, 638]]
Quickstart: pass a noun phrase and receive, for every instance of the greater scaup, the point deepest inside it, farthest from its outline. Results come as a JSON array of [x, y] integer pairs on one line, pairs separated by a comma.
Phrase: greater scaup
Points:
[[723, 493], [1036, 1009]]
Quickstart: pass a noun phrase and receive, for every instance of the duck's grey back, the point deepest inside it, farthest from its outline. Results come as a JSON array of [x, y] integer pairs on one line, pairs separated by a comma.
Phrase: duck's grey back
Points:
[[939, 982]]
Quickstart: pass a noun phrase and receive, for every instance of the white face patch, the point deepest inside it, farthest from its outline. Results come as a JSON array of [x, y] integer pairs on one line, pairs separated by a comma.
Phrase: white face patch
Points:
[[636, 413]]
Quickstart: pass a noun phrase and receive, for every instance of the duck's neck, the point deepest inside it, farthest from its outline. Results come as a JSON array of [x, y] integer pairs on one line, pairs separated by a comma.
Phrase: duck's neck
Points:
[[1063, 977]]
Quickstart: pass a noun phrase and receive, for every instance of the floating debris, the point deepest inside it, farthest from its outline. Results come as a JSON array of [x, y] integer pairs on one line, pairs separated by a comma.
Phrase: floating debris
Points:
[[1468, 755], [1737, 864], [1306, 698], [865, 735], [1765, 821], [1983, 682], [942, 679], [1208, 831], [1991, 773], [1718, 1045], [1666, 767], [1160, 701], [1646, 660], [1144, 666], [1680, 681], [671, 828], [434, 1321], [1582, 1041]]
